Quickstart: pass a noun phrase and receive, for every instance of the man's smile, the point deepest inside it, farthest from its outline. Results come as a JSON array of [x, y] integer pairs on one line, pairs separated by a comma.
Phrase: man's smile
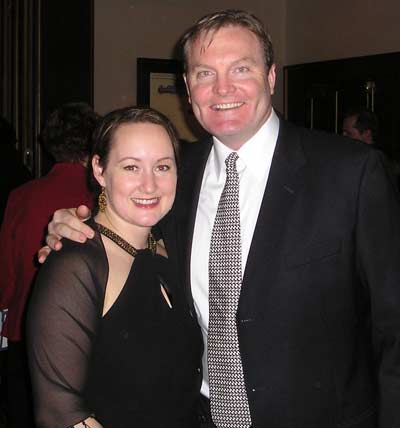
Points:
[[227, 106]]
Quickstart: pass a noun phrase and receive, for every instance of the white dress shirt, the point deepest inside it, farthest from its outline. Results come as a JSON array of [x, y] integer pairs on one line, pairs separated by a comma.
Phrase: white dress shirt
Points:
[[253, 166]]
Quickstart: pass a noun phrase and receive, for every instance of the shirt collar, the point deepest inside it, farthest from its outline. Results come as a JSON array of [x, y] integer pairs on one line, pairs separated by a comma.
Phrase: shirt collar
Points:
[[254, 153]]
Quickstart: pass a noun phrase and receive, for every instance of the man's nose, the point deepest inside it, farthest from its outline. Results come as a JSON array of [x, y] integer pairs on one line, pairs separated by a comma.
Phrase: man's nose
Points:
[[223, 85]]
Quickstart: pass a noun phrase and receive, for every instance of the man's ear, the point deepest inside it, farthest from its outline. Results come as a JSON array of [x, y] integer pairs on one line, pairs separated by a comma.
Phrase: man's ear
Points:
[[98, 170], [367, 136], [187, 88], [272, 78]]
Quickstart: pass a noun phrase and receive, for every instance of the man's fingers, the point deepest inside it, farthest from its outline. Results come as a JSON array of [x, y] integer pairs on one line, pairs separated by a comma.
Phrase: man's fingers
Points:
[[83, 212], [53, 242], [43, 253], [63, 230], [66, 223], [62, 215], [69, 224]]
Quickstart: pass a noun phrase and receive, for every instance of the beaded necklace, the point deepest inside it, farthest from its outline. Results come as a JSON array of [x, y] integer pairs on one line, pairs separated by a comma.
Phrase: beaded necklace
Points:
[[151, 242]]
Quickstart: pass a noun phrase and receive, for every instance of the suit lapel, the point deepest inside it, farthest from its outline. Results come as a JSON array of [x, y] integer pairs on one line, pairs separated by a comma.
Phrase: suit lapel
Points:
[[284, 181]]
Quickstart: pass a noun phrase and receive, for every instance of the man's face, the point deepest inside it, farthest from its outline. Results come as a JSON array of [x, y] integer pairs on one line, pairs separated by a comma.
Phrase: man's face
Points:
[[350, 131], [228, 84]]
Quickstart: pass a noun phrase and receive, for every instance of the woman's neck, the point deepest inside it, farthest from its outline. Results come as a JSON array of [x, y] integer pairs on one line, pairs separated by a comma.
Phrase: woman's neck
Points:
[[134, 235]]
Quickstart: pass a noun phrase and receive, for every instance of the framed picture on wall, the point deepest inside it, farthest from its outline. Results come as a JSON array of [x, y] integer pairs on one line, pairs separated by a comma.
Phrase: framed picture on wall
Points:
[[160, 85]]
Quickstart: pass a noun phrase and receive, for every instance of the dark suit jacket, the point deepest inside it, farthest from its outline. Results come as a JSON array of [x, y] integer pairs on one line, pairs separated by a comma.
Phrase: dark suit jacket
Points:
[[319, 312]]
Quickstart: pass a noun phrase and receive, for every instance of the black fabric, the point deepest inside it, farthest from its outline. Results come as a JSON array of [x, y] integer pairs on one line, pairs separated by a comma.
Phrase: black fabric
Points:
[[204, 413], [136, 366], [19, 397]]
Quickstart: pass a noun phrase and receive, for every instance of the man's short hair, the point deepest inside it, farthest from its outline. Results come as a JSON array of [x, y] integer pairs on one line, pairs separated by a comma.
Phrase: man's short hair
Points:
[[226, 18], [365, 120], [67, 132]]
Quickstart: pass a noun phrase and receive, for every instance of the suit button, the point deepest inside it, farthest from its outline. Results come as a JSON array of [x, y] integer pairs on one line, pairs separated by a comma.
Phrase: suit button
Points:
[[258, 388], [246, 320], [317, 385], [124, 334]]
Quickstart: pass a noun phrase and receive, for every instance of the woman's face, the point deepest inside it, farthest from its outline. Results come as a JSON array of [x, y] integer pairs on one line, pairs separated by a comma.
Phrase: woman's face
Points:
[[141, 174]]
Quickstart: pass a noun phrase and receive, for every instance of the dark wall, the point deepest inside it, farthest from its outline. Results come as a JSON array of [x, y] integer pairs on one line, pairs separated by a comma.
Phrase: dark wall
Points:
[[318, 94], [46, 59], [66, 56]]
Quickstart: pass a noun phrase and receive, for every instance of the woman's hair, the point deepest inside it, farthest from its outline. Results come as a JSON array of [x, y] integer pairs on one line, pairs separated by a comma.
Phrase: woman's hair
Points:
[[103, 136]]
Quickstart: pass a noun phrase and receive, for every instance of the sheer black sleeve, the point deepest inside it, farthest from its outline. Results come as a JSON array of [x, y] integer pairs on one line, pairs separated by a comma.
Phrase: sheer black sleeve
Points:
[[63, 316]]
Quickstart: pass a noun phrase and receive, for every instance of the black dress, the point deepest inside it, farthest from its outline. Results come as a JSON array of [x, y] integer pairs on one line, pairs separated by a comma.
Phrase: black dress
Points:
[[138, 366]]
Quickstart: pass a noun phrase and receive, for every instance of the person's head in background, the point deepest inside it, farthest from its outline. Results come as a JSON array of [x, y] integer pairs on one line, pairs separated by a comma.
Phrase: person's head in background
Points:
[[67, 132], [361, 124]]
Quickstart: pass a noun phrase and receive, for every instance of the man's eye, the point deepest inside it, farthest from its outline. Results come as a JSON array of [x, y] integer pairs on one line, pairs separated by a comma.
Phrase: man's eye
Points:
[[241, 69], [130, 167], [204, 73]]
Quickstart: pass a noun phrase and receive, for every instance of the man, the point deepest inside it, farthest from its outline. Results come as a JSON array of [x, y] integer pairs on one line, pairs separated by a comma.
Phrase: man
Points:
[[318, 318], [361, 124]]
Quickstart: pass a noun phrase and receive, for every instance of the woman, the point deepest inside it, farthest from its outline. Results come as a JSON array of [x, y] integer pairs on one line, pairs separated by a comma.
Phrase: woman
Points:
[[111, 339]]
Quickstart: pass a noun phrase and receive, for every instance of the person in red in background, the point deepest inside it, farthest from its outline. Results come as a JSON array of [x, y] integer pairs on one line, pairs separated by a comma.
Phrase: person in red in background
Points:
[[66, 137]]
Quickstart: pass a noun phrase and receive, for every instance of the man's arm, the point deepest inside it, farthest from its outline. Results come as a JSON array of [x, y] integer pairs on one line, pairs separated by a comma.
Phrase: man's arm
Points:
[[66, 223], [378, 256]]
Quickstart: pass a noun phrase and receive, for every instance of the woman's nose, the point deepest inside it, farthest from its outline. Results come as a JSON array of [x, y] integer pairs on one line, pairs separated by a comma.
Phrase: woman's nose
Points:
[[149, 182]]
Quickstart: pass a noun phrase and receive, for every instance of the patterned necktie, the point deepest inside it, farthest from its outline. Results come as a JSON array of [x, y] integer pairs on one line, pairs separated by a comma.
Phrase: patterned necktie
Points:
[[228, 398]]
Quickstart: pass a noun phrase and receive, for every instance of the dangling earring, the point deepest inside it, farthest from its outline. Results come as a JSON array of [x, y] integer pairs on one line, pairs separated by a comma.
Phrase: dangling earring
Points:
[[102, 200]]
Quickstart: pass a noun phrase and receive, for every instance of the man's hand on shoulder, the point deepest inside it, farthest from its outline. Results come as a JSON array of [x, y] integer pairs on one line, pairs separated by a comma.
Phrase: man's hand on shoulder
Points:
[[66, 223]]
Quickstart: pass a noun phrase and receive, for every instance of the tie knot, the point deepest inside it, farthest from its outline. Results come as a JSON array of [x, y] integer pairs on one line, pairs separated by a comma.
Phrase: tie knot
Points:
[[230, 162]]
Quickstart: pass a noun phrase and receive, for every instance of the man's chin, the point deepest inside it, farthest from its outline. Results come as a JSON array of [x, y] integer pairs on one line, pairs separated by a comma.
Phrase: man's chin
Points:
[[228, 130]]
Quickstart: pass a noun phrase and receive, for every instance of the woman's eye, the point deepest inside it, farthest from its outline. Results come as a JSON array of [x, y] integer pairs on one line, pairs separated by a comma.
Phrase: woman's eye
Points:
[[130, 167], [163, 168]]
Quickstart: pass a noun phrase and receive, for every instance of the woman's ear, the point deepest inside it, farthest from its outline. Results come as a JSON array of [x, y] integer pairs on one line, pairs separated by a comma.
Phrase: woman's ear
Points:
[[98, 170]]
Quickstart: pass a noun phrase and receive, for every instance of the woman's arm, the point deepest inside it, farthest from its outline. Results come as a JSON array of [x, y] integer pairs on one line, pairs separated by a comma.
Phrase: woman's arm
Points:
[[63, 317]]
